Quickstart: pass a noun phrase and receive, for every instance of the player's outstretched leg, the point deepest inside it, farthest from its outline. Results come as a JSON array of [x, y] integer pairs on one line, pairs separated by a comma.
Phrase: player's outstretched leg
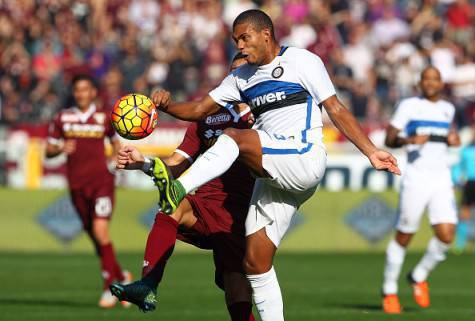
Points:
[[137, 293], [435, 253], [213, 163]]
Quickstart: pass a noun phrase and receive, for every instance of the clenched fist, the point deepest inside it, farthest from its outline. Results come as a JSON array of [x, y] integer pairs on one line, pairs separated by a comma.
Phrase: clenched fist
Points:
[[161, 99]]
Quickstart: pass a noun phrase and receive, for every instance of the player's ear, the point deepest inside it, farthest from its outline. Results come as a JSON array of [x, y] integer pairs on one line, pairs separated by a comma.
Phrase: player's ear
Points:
[[266, 33]]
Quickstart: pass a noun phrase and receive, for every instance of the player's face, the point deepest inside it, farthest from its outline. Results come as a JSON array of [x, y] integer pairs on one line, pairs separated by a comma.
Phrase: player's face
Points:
[[431, 83], [251, 43], [84, 93]]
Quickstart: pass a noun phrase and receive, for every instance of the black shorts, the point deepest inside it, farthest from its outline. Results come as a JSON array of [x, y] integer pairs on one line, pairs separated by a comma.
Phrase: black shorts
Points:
[[468, 196]]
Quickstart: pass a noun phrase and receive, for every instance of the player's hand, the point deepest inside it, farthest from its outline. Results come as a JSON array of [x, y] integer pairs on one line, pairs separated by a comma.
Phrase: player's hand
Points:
[[418, 139], [69, 146], [161, 99], [453, 139], [129, 157], [383, 160]]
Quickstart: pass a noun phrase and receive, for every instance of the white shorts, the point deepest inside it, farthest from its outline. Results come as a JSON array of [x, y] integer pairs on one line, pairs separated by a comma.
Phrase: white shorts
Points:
[[294, 179], [437, 195]]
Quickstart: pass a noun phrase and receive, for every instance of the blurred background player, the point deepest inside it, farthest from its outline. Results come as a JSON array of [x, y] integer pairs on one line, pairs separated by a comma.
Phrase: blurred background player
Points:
[[466, 170], [424, 125], [79, 133], [212, 218]]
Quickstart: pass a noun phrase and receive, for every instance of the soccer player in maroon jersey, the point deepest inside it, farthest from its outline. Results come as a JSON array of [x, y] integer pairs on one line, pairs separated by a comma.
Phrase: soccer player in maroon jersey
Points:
[[212, 218], [79, 133]]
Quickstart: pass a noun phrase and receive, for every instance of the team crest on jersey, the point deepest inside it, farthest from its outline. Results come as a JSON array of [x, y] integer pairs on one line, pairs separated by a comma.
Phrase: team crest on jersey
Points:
[[277, 72], [99, 118], [217, 119]]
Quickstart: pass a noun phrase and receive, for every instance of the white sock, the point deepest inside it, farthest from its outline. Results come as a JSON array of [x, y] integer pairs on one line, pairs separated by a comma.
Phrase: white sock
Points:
[[435, 253], [395, 254], [267, 296], [211, 164]]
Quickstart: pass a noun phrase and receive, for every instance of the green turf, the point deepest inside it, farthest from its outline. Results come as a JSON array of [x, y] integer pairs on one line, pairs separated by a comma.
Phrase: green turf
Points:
[[323, 287]]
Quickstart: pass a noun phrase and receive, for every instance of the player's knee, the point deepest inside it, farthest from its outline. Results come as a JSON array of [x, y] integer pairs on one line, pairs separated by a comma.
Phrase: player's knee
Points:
[[253, 265], [446, 237], [233, 133]]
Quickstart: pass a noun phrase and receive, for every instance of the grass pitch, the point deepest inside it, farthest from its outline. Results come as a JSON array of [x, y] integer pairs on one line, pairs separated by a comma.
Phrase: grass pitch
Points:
[[324, 287]]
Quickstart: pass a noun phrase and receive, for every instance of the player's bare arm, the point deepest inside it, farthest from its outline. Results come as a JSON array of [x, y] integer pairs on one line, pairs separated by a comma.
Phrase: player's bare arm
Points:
[[349, 126], [129, 157], [67, 147], [393, 139], [191, 111]]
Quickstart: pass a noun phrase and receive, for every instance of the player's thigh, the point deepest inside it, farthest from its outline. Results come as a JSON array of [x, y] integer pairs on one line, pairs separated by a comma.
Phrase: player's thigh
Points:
[[272, 209], [413, 199], [291, 164], [442, 206], [82, 206], [250, 150]]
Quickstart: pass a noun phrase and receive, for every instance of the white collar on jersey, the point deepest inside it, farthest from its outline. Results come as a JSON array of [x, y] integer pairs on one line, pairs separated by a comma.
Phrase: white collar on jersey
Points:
[[84, 116]]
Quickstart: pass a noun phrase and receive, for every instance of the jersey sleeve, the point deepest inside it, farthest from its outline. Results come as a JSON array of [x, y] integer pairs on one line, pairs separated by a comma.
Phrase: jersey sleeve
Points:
[[401, 116], [226, 92], [55, 131], [314, 76], [190, 146]]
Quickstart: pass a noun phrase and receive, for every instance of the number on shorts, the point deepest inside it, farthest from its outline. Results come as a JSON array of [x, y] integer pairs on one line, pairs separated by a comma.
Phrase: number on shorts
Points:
[[103, 206]]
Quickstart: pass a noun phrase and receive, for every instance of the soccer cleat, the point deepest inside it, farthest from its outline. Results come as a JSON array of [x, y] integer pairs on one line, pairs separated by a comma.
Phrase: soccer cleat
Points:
[[391, 304], [420, 291], [137, 293], [127, 280], [171, 191], [107, 300]]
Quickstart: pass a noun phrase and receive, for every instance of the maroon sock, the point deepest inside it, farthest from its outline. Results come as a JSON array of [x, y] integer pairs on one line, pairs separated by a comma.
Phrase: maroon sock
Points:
[[160, 244], [241, 311], [109, 264]]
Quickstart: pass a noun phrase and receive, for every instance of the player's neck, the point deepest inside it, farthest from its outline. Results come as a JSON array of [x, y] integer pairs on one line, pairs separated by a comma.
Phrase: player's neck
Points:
[[85, 108], [433, 99], [273, 52]]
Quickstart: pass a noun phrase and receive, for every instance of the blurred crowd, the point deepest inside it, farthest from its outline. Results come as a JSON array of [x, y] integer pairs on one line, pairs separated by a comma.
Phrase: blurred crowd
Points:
[[374, 50]]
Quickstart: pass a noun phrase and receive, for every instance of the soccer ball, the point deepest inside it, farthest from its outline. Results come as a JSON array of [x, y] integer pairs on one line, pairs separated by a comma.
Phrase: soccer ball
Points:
[[134, 116]]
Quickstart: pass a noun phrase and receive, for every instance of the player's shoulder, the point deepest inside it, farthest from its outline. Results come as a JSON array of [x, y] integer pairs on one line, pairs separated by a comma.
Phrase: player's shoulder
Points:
[[446, 104], [300, 54], [409, 103]]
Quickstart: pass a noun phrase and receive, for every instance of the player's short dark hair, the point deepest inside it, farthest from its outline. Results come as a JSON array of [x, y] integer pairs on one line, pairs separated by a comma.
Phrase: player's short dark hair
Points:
[[79, 77], [258, 18]]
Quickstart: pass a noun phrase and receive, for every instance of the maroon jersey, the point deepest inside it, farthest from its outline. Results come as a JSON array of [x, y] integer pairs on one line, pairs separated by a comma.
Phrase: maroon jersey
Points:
[[87, 164], [231, 191]]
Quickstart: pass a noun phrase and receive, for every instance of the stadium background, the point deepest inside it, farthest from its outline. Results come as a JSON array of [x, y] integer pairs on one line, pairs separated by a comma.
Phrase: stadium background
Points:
[[373, 50]]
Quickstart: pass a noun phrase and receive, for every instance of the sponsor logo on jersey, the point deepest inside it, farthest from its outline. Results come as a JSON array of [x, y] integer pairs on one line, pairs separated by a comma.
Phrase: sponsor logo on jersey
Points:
[[83, 130], [428, 130], [268, 98], [217, 119], [99, 118], [277, 72]]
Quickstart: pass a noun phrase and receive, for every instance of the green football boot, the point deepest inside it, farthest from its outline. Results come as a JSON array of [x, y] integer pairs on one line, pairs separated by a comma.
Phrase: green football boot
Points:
[[171, 191], [137, 293]]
